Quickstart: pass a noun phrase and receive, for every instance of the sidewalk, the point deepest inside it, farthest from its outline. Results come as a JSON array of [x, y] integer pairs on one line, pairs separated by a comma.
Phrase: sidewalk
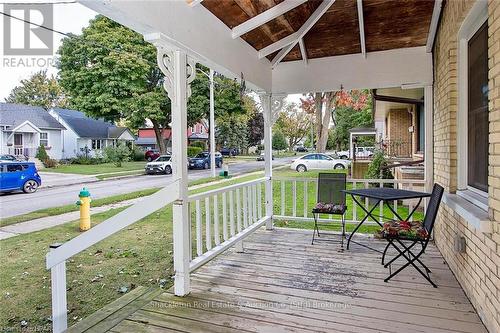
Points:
[[52, 221]]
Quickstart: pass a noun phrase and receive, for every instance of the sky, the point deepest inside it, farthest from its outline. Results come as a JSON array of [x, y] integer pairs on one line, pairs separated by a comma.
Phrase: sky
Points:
[[67, 18]]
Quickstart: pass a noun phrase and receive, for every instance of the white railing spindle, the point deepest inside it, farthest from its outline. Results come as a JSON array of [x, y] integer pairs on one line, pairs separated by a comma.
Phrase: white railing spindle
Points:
[[216, 221], [259, 200], [199, 241], [231, 214], [224, 216], [294, 199], [238, 210], [283, 185], [245, 208], [306, 189], [208, 229]]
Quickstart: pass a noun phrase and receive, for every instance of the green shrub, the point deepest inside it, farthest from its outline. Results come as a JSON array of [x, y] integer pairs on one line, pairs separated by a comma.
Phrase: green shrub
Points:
[[41, 154], [117, 155], [200, 144], [375, 170], [193, 151], [136, 154]]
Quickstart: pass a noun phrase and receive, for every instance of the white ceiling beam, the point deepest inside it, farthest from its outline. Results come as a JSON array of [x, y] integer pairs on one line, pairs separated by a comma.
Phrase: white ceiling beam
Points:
[[436, 13], [277, 45], [361, 22], [303, 50], [265, 17], [382, 69], [311, 21]]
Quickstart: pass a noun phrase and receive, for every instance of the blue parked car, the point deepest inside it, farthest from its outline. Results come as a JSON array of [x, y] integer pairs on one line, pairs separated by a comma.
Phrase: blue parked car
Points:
[[19, 176], [202, 161]]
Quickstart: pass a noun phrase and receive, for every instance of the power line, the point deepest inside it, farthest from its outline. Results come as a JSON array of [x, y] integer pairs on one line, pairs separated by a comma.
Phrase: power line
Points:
[[35, 24], [38, 3]]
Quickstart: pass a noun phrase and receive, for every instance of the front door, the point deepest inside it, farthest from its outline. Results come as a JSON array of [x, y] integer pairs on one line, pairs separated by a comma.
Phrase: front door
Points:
[[18, 144]]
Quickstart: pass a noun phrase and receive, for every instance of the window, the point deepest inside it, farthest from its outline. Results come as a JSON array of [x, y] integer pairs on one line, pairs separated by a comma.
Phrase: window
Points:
[[44, 139], [477, 111], [309, 157], [472, 117], [96, 144], [14, 167]]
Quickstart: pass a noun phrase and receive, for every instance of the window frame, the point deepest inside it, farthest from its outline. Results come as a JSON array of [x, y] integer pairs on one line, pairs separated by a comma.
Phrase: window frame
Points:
[[470, 26], [47, 139]]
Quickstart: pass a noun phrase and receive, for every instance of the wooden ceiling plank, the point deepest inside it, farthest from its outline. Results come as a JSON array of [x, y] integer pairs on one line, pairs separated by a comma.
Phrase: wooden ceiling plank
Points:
[[265, 17], [361, 28], [301, 32], [436, 13], [278, 45], [303, 50]]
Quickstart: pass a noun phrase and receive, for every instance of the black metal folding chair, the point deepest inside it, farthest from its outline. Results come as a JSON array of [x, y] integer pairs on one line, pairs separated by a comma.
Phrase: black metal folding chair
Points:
[[399, 232], [330, 200]]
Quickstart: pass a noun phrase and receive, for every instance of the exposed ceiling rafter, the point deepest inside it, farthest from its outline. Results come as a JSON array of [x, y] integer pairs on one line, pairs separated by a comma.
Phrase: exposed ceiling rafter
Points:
[[303, 50], [361, 28], [436, 13], [311, 21], [265, 17]]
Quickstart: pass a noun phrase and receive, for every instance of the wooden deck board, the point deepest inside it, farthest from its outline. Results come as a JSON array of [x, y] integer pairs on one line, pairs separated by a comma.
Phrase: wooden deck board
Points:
[[282, 283]]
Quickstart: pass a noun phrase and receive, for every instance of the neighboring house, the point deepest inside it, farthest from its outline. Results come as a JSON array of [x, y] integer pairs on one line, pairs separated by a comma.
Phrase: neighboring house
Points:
[[146, 137], [399, 120], [24, 128], [85, 135]]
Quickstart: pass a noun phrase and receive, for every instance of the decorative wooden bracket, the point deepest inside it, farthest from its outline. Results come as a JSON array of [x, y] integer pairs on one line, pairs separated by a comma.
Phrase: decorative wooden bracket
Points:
[[165, 62], [272, 105]]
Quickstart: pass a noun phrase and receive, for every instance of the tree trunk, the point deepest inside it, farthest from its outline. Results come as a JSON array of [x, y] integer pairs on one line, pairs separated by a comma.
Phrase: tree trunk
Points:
[[159, 137], [318, 104], [324, 122]]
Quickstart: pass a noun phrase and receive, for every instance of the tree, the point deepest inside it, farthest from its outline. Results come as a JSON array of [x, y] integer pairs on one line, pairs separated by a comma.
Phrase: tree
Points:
[[348, 118], [232, 131], [279, 140], [255, 122], [110, 72], [323, 106], [38, 90], [294, 124]]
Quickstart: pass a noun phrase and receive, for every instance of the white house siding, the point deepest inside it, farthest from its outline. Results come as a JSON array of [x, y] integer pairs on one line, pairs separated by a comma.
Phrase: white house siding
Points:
[[55, 143]]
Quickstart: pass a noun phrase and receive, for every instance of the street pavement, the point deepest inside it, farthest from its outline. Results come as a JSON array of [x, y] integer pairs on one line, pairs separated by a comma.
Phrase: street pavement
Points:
[[16, 203]]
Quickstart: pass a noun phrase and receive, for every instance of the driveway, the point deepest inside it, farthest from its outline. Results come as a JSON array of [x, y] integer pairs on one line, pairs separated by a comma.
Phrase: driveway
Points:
[[12, 204]]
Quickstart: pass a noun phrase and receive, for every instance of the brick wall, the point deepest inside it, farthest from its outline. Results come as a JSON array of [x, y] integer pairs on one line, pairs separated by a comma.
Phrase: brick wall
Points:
[[398, 121], [478, 269]]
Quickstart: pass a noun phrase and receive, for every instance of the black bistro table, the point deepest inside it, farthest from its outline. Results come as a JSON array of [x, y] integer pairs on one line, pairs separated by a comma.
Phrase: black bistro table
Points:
[[385, 195]]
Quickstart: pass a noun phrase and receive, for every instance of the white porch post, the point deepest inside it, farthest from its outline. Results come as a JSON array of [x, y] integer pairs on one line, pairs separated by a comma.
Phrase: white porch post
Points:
[[271, 105], [179, 72], [429, 138], [212, 124]]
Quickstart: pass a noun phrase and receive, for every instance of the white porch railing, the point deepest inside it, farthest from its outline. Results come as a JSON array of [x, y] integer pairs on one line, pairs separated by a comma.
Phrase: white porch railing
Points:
[[297, 197], [59, 254], [223, 217]]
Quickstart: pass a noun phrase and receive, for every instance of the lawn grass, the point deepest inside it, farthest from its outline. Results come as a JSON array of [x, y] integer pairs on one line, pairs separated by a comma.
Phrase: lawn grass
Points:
[[138, 255], [94, 169]]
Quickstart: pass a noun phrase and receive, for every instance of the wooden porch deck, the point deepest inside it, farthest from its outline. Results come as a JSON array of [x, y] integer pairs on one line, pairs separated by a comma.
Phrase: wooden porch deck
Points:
[[283, 284]]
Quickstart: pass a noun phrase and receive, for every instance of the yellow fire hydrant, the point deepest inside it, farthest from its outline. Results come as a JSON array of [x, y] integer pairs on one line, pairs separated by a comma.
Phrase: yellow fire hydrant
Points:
[[84, 204]]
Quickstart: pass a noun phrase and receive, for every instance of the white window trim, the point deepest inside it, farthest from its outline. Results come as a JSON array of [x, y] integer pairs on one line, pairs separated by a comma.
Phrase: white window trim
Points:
[[40, 139], [474, 20]]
